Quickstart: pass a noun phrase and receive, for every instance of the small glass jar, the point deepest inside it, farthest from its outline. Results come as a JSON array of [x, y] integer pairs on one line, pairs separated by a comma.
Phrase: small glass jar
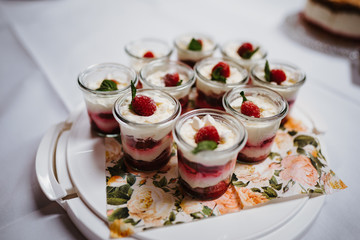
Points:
[[136, 50], [261, 131], [190, 57], [209, 92], [152, 76], [100, 103], [289, 89], [147, 140], [206, 175], [230, 50]]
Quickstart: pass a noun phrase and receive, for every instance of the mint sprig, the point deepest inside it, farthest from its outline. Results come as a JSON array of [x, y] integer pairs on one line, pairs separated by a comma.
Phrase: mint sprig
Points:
[[179, 83], [249, 54], [217, 76], [267, 71], [242, 94], [204, 145], [195, 45], [133, 94], [107, 85]]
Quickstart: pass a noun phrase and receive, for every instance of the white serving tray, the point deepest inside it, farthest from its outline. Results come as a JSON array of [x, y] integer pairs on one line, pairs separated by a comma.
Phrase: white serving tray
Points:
[[70, 167]]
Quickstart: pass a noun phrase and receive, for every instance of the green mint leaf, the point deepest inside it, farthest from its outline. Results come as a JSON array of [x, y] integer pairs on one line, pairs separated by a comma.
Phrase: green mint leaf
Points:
[[242, 94], [267, 71], [133, 90], [249, 54], [179, 83], [205, 145], [195, 45], [107, 85], [217, 76]]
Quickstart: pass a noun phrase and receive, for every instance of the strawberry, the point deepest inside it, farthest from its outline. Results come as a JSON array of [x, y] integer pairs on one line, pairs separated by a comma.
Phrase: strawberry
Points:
[[220, 72], [149, 54], [249, 108], [140, 104], [278, 76], [244, 48], [207, 133], [143, 105], [171, 80]]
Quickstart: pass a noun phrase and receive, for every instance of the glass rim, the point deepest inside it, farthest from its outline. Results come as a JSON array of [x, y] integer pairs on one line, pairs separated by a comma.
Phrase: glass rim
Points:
[[121, 99], [93, 67], [219, 84], [195, 35], [127, 50], [227, 105], [223, 52], [167, 62], [280, 63], [241, 130]]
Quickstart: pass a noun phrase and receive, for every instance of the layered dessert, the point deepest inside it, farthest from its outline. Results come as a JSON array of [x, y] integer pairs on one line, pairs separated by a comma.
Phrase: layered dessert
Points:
[[215, 76], [208, 142], [146, 119], [102, 84], [261, 111], [284, 78], [191, 48], [172, 77], [143, 51], [246, 53], [340, 17]]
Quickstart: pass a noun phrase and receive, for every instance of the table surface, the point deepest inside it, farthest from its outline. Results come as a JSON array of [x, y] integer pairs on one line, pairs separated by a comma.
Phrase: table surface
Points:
[[45, 44]]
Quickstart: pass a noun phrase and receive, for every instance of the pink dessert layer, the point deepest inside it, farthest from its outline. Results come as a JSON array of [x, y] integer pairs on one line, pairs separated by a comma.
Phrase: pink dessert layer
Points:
[[147, 154], [256, 153], [204, 101], [198, 172], [104, 123]]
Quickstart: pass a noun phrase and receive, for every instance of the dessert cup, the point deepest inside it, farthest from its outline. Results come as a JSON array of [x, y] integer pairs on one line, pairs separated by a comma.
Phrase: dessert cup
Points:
[[152, 76], [190, 57], [136, 50], [206, 175], [147, 140], [289, 89], [230, 48], [261, 131], [100, 103], [209, 92]]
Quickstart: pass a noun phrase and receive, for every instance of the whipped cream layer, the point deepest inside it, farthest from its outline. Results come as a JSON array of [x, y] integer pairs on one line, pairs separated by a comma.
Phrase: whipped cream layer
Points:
[[259, 131], [165, 108], [231, 51], [203, 85], [103, 103]]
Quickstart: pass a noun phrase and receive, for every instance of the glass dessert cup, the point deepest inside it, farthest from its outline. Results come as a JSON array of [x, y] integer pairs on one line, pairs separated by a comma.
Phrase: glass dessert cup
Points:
[[206, 175], [190, 57], [261, 131], [100, 103], [209, 92], [136, 50], [147, 141], [230, 48], [151, 76], [289, 89]]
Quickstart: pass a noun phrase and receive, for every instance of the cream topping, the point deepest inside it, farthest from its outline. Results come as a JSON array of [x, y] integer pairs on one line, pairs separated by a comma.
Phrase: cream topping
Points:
[[235, 75], [231, 50], [120, 82], [207, 44], [267, 107], [157, 78]]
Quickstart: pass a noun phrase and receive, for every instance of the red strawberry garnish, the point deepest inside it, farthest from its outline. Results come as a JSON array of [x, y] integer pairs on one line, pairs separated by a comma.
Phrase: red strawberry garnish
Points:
[[143, 105], [171, 80], [278, 76], [208, 133], [244, 48], [149, 54], [249, 108], [224, 69]]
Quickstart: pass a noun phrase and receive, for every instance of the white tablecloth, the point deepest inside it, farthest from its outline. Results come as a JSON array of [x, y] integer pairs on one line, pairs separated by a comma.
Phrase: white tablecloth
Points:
[[45, 44]]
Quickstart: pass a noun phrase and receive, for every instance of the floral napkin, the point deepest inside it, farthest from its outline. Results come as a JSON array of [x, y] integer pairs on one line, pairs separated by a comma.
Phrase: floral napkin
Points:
[[139, 201]]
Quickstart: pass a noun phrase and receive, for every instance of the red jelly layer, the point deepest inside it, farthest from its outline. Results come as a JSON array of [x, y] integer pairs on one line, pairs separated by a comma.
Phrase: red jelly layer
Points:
[[266, 144], [104, 123], [204, 101], [184, 103], [207, 193], [190, 63]]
